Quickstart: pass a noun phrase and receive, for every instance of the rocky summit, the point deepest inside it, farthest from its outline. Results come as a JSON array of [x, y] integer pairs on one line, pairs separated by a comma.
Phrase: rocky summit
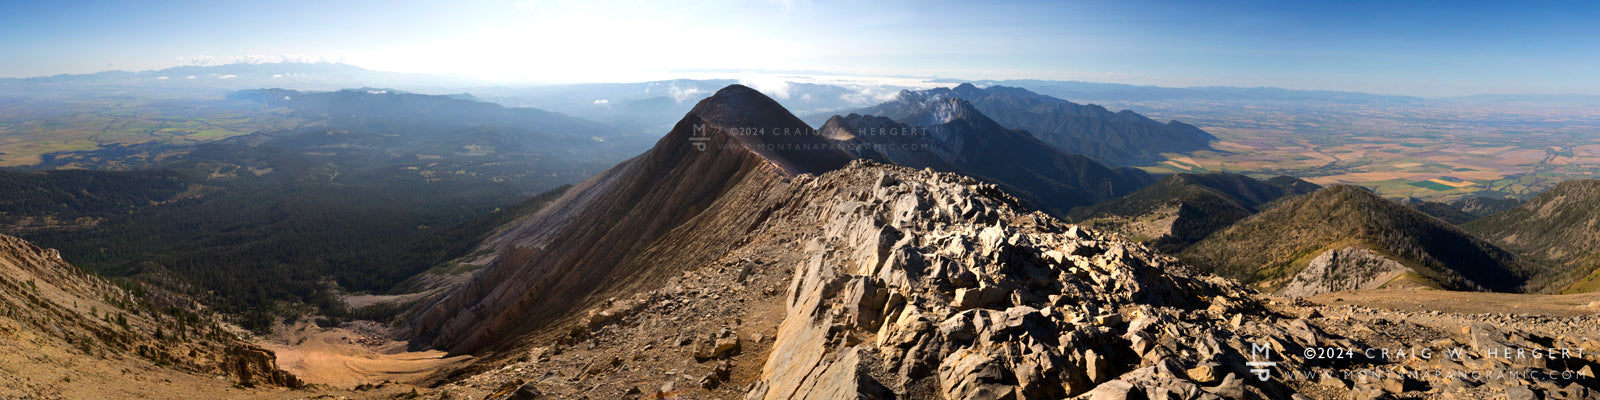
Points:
[[883, 282]]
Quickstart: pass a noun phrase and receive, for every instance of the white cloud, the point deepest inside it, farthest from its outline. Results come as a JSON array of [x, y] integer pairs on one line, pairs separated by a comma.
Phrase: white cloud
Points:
[[161, 78], [681, 94], [773, 86], [228, 76], [602, 101], [189, 77]]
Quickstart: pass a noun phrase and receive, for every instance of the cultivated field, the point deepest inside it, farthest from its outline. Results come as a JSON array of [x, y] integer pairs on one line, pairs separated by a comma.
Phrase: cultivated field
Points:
[[1435, 151]]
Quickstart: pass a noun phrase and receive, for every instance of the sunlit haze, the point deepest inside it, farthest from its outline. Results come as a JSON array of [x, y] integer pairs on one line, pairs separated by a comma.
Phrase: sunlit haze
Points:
[[1414, 48]]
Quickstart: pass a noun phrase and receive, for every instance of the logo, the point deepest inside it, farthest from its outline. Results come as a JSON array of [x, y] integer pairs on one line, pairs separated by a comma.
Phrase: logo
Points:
[[1260, 364], [700, 139]]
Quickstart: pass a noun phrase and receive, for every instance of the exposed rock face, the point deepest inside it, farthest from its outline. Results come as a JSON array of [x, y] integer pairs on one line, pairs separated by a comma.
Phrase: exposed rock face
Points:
[[1350, 268], [956, 293], [252, 365]]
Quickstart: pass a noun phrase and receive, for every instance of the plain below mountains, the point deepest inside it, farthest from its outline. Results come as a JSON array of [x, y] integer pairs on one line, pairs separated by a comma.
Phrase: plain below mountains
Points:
[[1113, 138]]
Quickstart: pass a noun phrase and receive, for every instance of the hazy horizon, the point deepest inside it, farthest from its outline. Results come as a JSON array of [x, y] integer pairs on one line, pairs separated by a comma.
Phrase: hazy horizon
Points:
[[1418, 49]]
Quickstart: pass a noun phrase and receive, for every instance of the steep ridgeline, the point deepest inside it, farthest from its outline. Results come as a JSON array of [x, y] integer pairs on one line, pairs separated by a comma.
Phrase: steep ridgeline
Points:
[[604, 234], [65, 334], [949, 135], [1559, 228], [883, 282], [732, 148], [1184, 208], [1345, 238], [1114, 138]]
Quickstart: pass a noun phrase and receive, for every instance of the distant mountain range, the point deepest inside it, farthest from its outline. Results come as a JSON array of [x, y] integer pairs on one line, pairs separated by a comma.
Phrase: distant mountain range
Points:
[[217, 80], [952, 135], [1120, 138], [1117, 92]]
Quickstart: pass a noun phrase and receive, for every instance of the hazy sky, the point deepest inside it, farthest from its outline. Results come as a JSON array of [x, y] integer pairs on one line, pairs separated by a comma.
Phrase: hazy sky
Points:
[[1398, 47]]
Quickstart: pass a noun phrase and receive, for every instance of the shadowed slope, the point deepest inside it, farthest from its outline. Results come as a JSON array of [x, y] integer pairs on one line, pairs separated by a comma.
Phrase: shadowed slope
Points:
[[592, 237]]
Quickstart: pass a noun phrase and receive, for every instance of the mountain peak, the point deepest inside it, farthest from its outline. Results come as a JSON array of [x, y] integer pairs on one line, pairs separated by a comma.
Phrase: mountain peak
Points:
[[741, 116]]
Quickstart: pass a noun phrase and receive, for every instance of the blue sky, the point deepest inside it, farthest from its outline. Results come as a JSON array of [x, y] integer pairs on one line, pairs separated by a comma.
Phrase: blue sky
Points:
[[1396, 47]]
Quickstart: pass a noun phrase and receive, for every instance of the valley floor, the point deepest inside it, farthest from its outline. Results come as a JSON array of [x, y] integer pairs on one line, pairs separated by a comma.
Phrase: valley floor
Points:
[[353, 355]]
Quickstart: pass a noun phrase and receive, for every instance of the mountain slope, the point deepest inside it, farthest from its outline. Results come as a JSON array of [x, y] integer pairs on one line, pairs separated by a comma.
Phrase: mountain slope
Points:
[[1558, 228], [1332, 239], [951, 135], [364, 189], [1120, 138], [731, 148], [595, 237], [64, 333], [1184, 208]]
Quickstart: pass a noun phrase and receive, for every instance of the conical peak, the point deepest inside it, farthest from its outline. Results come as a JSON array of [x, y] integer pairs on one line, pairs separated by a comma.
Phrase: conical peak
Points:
[[740, 105]]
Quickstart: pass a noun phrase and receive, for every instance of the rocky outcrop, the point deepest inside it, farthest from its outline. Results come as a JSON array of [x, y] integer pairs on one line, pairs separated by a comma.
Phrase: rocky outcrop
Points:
[[251, 365], [938, 286], [1350, 268], [884, 282]]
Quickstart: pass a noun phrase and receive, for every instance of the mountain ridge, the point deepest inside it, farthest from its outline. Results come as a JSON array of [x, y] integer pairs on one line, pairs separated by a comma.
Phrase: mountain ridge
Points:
[[1114, 138], [1558, 228], [1182, 209], [674, 183], [1279, 243]]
